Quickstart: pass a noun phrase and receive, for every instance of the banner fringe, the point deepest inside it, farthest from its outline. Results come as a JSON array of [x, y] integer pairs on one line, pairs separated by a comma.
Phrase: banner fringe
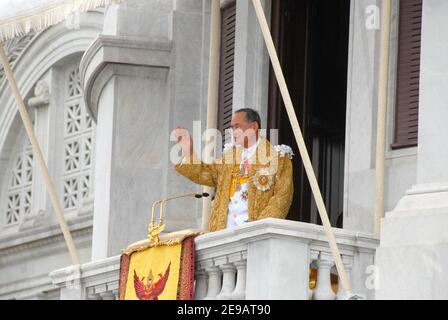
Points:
[[40, 19]]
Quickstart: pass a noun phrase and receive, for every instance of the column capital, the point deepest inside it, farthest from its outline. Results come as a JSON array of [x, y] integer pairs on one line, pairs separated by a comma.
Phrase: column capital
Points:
[[41, 95], [112, 50]]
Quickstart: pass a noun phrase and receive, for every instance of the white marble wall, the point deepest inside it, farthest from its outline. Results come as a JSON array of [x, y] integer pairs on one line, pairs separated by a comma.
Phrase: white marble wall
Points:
[[25, 267], [141, 82], [412, 259], [362, 105]]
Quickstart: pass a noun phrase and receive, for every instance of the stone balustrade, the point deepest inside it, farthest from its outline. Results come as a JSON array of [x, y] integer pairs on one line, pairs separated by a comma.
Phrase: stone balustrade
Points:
[[266, 259], [271, 259], [97, 280]]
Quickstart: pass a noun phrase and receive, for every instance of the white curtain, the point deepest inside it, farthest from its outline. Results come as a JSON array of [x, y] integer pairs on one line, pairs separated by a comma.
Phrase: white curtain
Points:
[[19, 17]]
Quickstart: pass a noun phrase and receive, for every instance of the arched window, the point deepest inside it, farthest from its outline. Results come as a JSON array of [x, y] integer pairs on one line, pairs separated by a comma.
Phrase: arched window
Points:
[[68, 140], [19, 189], [78, 144]]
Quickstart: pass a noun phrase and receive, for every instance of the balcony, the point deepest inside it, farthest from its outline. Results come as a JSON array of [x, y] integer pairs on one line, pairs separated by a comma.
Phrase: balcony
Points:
[[266, 259]]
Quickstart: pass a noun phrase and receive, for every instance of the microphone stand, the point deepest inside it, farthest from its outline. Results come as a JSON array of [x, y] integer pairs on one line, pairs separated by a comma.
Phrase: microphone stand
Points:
[[155, 230]]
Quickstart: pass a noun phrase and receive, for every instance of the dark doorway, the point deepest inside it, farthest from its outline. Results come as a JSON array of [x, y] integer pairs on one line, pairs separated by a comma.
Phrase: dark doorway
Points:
[[311, 37]]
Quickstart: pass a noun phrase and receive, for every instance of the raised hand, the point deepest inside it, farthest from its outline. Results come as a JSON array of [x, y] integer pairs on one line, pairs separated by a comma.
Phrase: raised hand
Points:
[[184, 140]]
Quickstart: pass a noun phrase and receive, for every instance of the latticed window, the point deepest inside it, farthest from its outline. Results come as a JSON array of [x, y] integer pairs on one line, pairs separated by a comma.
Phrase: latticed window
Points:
[[78, 144], [19, 194]]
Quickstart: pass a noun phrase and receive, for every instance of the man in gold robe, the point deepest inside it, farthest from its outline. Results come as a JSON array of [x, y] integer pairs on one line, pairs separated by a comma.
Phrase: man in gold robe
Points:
[[253, 179]]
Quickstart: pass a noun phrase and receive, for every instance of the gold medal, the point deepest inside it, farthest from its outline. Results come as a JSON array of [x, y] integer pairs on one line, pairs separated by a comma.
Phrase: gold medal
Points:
[[263, 180]]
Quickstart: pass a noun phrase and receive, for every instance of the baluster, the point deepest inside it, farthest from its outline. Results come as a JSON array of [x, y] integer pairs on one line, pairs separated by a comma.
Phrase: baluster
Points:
[[201, 285], [323, 289], [314, 256], [107, 295], [348, 265], [240, 288], [228, 281], [94, 296], [91, 294], [214, 282]]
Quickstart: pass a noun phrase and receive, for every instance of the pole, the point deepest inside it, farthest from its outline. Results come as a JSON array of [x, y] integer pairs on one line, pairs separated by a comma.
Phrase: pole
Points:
[[301, 144], [38, 155], [212, 101], [381, 116]]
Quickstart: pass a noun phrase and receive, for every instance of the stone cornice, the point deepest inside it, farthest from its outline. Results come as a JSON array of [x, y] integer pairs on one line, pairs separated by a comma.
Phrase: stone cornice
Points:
[[44, 236], [26, 287], [41, 95], [121, 50]]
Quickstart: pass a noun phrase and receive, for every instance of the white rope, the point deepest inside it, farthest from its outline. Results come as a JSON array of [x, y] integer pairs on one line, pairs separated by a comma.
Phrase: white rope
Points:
[[382, 115], [301, 144], [40, 18]]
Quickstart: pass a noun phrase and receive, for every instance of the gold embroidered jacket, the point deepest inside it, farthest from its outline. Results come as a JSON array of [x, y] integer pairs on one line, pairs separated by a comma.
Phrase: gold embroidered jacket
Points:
[[270, 189]]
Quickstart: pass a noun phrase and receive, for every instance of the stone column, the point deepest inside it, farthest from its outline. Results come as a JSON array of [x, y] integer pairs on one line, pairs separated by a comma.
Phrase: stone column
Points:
[[413, 257], [138, 86]]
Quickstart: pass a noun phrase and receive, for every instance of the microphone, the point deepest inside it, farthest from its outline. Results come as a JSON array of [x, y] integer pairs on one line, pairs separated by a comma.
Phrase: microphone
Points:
[[155, 230], [203, 195], [163, 202]]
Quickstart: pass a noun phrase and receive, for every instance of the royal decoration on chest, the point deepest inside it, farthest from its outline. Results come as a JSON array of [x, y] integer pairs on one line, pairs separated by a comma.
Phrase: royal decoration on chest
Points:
[[263, 180]]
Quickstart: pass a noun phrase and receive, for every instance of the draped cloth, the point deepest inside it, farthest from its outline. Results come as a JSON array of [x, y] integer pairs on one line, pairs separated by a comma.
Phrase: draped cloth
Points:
[[19, 17], [162, 271]]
